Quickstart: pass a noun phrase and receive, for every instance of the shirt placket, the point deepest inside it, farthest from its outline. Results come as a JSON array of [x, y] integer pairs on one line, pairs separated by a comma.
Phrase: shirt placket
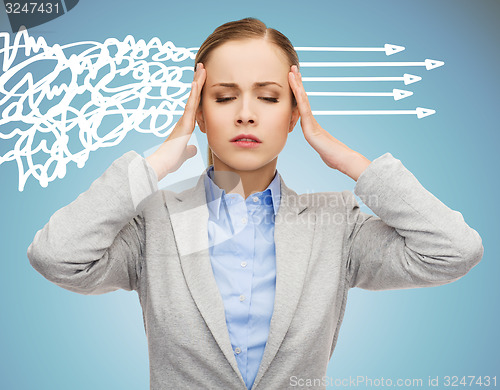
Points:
[[242, 224]]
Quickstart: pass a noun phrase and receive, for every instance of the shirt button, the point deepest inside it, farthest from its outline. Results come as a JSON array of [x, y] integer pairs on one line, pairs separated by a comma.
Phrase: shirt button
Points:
[[243, 264], [255, 199], [243, 220], [242, 298], [237, 350]]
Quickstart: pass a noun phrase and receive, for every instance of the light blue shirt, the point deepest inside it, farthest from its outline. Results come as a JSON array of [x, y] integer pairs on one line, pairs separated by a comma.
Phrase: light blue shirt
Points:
[[243, 257]]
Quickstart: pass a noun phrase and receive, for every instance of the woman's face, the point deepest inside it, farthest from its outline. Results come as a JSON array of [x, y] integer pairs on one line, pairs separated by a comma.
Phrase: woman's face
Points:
[[246, 91]]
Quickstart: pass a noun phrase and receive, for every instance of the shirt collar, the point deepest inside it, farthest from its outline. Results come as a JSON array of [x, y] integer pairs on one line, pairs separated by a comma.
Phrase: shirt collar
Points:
[[214, 193]]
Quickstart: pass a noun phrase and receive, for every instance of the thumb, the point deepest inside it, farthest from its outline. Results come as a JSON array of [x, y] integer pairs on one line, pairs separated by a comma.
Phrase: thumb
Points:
[[190, 151]]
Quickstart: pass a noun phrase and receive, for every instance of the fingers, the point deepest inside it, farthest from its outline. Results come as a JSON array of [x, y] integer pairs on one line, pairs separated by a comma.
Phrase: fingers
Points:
[[194, 97], [295, 80]]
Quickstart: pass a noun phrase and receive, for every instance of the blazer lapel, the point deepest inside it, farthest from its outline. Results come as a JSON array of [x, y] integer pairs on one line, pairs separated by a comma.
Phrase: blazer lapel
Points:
[[189, 216], [293, 236]]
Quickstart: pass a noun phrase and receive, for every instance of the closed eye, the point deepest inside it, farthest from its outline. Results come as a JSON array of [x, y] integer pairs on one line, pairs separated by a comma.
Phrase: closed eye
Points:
[[273, 100], [221, 100]]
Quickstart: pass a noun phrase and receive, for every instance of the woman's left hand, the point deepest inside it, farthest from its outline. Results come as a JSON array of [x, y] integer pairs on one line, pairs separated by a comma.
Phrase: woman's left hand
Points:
[[334, 153]]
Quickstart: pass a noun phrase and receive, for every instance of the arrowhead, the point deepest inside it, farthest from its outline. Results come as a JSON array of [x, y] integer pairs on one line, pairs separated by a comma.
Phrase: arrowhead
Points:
[[410, 79], [401, 94], [423, 112], [392, 49], [431, 64]]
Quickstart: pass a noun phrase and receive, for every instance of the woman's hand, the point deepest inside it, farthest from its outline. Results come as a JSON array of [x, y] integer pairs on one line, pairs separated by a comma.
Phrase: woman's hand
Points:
[[334, 153], [175, 151]]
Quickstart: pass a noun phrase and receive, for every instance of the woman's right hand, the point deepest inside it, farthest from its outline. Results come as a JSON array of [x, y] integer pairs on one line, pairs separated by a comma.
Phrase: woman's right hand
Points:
[[174, 150]]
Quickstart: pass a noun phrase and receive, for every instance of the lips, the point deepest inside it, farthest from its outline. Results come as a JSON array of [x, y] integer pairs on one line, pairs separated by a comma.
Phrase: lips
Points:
[[247, 137]]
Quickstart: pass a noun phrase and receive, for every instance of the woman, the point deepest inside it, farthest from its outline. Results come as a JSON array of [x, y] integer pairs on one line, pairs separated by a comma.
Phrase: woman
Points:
[[243, 282]]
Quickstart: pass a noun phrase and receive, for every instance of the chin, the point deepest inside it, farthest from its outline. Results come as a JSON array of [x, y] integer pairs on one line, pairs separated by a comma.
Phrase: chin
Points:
[[241, 163]]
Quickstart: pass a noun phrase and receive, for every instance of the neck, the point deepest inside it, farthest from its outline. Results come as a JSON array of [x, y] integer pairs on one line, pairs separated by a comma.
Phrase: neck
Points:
[[243, 182]]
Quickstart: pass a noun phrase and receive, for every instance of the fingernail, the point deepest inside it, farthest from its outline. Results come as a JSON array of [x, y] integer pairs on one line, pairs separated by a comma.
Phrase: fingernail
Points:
[[197, 66]]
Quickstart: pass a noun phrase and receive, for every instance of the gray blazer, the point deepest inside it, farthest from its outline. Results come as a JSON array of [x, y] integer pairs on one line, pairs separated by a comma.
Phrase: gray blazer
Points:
[[124, 233]]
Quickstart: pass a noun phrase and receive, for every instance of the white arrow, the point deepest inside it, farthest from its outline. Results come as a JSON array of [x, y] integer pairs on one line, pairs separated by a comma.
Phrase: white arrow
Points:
[[429, 64], [398, 94], [419, 111], [388, 49], [407, 78]]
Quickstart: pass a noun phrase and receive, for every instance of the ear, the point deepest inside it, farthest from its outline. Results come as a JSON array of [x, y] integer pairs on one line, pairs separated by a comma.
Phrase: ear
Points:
[[200, 119], [294, 118]]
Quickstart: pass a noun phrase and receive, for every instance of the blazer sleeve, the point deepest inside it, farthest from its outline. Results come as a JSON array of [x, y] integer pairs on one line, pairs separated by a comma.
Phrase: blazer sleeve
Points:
[[94, 244], [414, 240]]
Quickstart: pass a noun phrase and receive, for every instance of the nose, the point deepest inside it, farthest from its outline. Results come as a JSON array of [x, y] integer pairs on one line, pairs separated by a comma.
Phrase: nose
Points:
[[245, 112]]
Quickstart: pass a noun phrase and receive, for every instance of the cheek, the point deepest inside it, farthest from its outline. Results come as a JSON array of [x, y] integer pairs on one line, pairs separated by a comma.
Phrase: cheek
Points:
[[215, 125], [282, 116], [212, 115]]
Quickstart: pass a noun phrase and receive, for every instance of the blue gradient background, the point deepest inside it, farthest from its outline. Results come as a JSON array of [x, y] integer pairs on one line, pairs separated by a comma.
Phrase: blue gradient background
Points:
[[51, 338]]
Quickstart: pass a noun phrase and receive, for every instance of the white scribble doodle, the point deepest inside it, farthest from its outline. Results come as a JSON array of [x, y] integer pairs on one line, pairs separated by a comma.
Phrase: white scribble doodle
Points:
[[64, 93], [59, 103]]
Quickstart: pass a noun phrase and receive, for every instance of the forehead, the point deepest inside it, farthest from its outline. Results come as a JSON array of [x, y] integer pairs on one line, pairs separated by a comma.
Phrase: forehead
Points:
[[254, 59]]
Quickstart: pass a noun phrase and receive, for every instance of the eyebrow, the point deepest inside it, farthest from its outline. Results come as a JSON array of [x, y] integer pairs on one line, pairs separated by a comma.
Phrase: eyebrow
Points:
[[255, 85]]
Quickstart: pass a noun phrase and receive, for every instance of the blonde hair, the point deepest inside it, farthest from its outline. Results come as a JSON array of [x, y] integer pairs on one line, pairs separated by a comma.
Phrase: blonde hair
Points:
[[246, 28]]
